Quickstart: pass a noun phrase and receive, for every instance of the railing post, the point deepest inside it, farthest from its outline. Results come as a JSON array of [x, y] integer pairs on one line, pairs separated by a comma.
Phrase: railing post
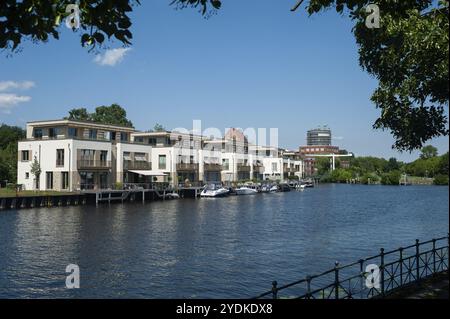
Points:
[[382, 272], [363, 277], [336, 280], [308, 287], [274, 290], [401, 265], [417, 260], [434, 256]]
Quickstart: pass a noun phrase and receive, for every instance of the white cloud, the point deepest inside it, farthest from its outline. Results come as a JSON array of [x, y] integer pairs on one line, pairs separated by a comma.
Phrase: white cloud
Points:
[[8, 85], [111, 57], [9, 100]]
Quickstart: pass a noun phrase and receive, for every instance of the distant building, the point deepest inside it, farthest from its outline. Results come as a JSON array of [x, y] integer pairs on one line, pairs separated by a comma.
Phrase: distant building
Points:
[[319, 137], [318, 143]]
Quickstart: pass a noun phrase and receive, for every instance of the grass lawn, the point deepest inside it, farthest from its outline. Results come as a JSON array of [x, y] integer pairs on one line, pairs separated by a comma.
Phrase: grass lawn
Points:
[[4, 192]]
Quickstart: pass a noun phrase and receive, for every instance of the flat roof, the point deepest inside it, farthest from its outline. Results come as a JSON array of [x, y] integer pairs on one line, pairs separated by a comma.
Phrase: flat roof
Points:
[[85, 123]]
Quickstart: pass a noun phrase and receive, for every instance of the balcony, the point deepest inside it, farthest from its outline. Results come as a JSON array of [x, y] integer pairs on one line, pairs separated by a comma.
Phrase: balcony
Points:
[[187, 167], [258, 169], [137, 165], [213, 167], [243, 168], [93, 164]]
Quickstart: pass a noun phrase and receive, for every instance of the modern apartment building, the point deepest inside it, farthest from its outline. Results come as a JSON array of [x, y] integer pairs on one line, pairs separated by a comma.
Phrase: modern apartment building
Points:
[[77, 155]]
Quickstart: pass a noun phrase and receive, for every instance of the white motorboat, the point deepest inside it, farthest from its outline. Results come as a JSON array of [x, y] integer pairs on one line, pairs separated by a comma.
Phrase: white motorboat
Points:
[[245, 190], [274, 189], [214, 191]]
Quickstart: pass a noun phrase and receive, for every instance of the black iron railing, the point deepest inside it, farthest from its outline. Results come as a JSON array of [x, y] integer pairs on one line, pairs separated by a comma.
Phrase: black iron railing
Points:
[[372, 277]]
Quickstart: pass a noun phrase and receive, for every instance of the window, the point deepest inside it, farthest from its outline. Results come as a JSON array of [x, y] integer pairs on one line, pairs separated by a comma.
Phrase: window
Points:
[[60, 157], [72, 132], [87, 154], [64, 180], [103, 156], [140, 157], [226, 164], [93, 134], [52, 132], [123, 137], [27, 175], [191, 160], [38, 133], [25, 156], [274, 167], [162, 161], [113, 136], [126, 156], [152, 141], [268, 153], [49, 180]]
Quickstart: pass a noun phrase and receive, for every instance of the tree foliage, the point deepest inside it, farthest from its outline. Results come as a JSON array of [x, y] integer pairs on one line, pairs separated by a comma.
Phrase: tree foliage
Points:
[[9, 136], [113, 114], [428, 151], [408, 56]]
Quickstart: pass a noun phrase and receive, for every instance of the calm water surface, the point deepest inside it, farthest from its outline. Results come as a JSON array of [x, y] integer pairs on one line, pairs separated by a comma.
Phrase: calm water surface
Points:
[[211, 248]]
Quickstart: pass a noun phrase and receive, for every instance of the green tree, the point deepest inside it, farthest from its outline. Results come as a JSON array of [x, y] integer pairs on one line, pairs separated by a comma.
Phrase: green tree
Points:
[[100, 20], [80, 114], [113, 114], [443, 164], [158, 128], [391, 178], [408, 55], [36, 170], [441, 179], [322, 164], [428, 151], [9, 136]]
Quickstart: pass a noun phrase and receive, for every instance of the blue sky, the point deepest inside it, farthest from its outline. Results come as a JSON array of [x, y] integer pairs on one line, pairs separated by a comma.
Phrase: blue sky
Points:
[[254, 64]]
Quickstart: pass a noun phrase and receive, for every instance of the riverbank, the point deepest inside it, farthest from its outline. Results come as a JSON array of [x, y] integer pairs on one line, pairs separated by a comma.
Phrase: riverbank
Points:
[[8, 193]]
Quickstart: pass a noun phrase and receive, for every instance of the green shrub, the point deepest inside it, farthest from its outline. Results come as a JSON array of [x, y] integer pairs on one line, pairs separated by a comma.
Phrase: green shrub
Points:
[[441, 179]]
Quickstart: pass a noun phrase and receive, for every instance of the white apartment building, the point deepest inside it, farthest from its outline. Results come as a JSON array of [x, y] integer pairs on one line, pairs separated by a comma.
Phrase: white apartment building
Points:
[[77, 155]]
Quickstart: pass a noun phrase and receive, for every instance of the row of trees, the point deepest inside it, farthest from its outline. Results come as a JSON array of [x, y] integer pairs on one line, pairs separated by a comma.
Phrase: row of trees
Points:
[[369, 170]]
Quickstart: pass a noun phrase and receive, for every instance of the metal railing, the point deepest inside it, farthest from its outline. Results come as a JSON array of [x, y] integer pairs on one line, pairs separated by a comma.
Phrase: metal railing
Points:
[[137, 165], [99, 164], [243, 168], [375, 276], [187, 167]]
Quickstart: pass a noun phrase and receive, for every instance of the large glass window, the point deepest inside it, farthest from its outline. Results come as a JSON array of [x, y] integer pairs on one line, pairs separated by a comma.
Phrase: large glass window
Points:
[[124, 137], [60, 157], [72, 132], [52, 132], [152, 141], [103, 156], [25, 156], [162, 161], [64, 180], [93, 134], [49, 180], [38, 133], [274, 167], [226, 164]]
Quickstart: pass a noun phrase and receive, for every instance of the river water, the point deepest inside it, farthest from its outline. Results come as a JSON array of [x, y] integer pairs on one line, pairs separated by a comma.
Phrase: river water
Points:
[[210, 248]]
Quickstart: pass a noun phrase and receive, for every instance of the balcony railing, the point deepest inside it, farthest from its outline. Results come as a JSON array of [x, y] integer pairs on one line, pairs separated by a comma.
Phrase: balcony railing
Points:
[[187, 167], [93, 164], [243, 168], [213, 167], [137, 165]]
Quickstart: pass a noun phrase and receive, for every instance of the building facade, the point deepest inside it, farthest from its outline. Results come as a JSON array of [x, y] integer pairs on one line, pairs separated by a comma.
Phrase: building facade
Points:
[[77, 156]]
